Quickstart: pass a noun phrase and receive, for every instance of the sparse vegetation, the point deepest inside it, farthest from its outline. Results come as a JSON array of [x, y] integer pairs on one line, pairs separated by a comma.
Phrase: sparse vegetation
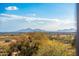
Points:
[[37, 44]]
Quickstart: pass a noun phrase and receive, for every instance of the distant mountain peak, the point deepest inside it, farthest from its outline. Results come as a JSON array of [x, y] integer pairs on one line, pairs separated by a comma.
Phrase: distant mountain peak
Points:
[[30, 30]]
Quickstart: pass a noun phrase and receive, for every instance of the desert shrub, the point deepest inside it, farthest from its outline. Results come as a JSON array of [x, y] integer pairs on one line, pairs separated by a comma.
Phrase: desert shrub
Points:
[[40, 44]]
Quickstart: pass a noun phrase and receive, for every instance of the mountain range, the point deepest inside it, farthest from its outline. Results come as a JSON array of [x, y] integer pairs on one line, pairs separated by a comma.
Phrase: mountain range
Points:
[[39, 30], [31, 30], [67, 30]]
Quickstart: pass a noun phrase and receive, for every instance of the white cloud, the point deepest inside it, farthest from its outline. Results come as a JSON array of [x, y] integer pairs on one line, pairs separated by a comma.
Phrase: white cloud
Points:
[[11, 8], [41, 23], [11, 16]]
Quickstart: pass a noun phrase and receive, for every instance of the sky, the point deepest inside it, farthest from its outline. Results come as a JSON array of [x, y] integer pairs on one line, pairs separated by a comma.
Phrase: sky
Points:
[[44, 16]]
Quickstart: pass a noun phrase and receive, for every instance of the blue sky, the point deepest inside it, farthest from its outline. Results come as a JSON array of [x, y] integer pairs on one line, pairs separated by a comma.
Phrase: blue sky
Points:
[[50, 17]]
